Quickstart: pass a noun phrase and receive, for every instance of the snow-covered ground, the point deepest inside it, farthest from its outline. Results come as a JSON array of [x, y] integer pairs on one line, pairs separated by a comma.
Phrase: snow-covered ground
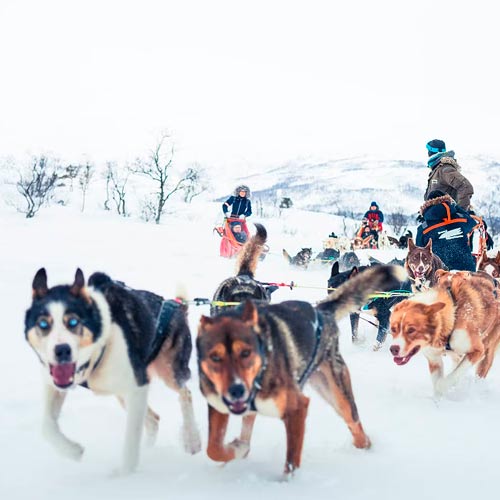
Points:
[[422, 448]]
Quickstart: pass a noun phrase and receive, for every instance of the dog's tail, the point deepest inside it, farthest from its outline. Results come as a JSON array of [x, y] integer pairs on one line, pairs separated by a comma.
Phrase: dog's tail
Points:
[[355, 292], [287, 256], [249, 255]]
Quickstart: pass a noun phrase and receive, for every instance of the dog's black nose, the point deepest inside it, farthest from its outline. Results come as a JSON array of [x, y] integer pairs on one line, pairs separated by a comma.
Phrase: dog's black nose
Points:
[[394, 350], [62, 353], [236, 391]]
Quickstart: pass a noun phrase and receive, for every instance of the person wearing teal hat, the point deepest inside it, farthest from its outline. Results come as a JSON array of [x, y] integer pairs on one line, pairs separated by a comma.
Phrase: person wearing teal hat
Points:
[[445, 174]]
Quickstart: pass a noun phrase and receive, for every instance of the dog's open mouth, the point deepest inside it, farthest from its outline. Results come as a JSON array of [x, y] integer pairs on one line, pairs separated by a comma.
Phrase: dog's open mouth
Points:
[[63, 374], [402, 360], [419, 274], [236, 407]]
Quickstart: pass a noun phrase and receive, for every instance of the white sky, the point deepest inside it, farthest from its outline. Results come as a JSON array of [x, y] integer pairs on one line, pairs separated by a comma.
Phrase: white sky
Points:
[[248, 82]]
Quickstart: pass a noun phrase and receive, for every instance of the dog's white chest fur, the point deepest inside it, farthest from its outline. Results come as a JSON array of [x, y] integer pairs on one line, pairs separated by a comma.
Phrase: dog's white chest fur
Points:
[[115, 374], [267, 407]]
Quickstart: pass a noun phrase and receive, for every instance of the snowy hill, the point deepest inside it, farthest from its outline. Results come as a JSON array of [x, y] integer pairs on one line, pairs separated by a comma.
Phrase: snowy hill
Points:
[[422, 448], [349, 185]]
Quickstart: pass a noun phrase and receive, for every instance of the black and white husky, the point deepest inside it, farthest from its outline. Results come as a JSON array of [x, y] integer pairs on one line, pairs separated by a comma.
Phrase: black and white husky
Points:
[[112, 340]]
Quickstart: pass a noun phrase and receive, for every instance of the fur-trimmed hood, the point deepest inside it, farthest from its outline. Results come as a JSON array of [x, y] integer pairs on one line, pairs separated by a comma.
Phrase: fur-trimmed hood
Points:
[[437, 201], [242, 187], [448, 160]]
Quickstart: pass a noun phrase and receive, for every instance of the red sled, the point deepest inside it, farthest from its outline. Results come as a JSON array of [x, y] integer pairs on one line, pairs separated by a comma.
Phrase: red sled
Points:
[[232, 237]]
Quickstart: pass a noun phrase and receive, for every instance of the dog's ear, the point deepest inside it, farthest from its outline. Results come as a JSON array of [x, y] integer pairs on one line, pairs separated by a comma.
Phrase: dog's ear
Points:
[[440, 276], [497, 258], [439, 273], [434, 308], [411, 245], [79, 283], [39, 286], [353, 272], [205, 323], [250, 314], [429, 245], [335, 269]]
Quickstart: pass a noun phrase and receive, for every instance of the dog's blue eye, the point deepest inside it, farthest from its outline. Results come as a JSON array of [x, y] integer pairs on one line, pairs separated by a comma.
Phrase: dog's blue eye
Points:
[[73, 322], [43, 324]]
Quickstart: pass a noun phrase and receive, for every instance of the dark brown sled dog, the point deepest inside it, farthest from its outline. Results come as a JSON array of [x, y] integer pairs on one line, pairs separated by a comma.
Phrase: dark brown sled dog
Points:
[[256, 359]]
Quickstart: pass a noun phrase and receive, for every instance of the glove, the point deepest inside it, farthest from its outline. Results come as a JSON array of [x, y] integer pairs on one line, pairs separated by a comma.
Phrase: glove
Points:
[[242, 217], [489, 242]]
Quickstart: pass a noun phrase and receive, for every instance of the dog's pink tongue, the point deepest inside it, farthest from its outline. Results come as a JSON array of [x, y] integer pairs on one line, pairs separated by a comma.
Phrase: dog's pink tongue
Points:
[[238, 407], [400, 360], [63, 374]]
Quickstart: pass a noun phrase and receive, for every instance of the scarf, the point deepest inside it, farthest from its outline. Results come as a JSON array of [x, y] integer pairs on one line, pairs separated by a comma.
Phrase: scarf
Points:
[[435, 159]]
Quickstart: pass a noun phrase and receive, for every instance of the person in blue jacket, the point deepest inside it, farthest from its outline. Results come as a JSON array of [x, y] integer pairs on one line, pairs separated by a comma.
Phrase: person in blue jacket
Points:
[[448, 226], [240, 203]]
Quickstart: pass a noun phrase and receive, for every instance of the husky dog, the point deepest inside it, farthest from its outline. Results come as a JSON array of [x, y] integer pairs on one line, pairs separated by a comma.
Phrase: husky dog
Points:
[[302, 259], [380, 307], [421, 264], [243, 286], [257, 359], [112, 340]]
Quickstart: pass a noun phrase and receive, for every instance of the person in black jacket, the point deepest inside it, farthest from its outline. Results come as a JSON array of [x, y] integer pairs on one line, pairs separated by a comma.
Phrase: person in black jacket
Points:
[[240, 203], [448, 226]]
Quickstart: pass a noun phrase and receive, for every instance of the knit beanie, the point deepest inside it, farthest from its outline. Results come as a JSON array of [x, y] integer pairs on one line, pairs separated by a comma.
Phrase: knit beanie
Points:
[[435, 146]]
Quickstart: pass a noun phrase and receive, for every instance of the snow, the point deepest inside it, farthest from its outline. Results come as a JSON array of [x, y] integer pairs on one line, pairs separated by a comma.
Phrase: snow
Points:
[[422, 448]]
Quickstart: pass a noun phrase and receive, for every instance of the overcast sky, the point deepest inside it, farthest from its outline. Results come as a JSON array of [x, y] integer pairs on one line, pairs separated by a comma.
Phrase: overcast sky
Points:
[[252, 82]]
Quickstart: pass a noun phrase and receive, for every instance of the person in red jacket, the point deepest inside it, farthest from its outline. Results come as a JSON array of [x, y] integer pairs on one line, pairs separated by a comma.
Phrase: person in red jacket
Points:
[[375, 218]]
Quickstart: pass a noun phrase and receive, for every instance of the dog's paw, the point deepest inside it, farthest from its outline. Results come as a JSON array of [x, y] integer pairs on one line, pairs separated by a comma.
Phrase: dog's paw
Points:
[[191, 440], [362, 441], [289, 472], [240, 448], [72, 450], [122, 471], [441, 386]]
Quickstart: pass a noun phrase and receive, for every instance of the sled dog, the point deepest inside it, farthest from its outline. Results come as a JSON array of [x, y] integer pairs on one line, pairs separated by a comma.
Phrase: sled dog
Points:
[[421, 264], [302, 259], [244, 286], [380, 307], [257, 359], [460, 316], [110, 339]]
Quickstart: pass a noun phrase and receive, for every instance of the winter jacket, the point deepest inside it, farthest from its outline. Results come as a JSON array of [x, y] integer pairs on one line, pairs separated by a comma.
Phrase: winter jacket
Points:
[[445, 176], [374, 215], [448, 226], [239, 206]]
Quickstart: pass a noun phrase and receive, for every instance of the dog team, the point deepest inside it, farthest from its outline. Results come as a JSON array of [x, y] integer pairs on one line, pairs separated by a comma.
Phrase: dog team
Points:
[[255, 357]]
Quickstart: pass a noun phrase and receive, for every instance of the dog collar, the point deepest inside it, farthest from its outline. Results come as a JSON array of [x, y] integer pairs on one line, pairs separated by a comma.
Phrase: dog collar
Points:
[[257, 383], [87, 364]]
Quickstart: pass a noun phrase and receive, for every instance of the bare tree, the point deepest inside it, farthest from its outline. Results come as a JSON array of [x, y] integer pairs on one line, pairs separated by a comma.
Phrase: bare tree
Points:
[[84, 181], [37, 184], [398, 220], [70, 172], [116, 183], [159, 168], [196, 182]]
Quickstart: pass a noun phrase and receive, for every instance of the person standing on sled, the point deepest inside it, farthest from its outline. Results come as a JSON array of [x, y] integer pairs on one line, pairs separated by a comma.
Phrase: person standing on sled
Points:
[[375, 218], [448, 226], [241, 206], [445, 175]]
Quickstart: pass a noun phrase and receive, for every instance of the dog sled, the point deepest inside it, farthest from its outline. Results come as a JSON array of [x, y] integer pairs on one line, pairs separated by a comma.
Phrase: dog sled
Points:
[[234, 233]]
